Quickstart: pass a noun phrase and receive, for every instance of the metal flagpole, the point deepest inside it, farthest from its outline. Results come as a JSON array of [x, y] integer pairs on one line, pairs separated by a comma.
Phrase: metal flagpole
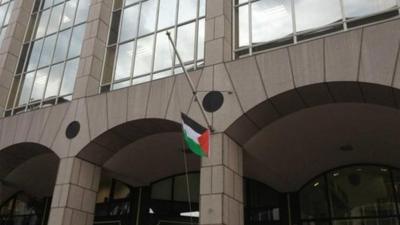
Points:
[[190, 82]]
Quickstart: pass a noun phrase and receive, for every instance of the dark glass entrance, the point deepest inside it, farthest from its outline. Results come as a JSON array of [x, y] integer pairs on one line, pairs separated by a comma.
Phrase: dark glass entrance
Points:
[[352, 195], [22, 209], [163, 202]]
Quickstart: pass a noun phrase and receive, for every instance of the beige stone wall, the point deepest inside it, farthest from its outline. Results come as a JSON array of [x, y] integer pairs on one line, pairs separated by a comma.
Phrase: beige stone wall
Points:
[[221, 183], [249, 85], [257, 90], [218, 28], [74, 196]]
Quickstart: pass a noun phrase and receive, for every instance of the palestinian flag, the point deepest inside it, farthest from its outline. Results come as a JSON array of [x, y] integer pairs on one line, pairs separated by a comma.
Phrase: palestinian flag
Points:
[[197, 138]]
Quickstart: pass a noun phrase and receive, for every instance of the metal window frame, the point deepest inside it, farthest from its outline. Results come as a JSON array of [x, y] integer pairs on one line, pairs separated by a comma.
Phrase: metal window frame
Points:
[[33, 39], [250, 47], [131, 78], [7, 15], [326, 189]]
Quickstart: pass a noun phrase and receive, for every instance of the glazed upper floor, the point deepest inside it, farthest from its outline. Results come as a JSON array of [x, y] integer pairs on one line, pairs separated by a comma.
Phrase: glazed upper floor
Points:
[[56, 51]]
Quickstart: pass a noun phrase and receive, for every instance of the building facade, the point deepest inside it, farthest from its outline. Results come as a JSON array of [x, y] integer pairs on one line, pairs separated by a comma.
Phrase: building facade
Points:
[[305, 124]]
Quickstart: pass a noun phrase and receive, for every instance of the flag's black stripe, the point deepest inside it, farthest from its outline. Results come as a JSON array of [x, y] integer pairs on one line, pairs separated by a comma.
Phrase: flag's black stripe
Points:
[[193, 124]]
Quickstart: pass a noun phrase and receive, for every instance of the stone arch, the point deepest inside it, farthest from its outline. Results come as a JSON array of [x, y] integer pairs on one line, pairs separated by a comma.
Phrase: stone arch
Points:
[[23, 165], [111, 141], [133, 146], [298, 134], [294, 100], [353, 66]]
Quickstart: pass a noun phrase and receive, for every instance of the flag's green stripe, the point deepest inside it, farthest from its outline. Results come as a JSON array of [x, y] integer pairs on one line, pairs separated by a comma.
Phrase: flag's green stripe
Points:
[[193, 145]]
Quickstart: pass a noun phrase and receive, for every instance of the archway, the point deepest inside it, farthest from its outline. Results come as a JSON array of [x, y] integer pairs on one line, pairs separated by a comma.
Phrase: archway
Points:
[[350, 194], [294, 136], [143, 174], [27, 178]]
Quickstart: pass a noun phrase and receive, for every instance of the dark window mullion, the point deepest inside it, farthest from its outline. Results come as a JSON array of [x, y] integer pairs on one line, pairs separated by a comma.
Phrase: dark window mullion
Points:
[[395, 197], [329, 200]]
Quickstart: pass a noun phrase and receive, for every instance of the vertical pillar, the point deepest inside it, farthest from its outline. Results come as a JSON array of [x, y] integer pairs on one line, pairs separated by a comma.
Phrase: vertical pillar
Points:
[[74, 197], [11, 46], [221, 183], [94, 45], [218, 36]]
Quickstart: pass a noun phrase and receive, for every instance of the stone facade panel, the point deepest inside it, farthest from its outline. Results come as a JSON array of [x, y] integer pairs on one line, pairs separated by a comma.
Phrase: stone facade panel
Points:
[[342, 56], [137, 101], [117, 107], [97, 110], [247, 82], [378, 53], [276, 71], [307, 62]]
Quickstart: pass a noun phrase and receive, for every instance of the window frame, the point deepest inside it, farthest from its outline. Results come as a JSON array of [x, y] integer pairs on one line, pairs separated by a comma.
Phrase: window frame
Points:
[[13, 107], [345, 24], [330, 219], [142, 78]]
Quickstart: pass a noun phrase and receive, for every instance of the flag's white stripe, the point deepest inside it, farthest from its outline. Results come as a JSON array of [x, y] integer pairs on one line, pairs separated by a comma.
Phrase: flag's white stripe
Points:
[[191, 133]]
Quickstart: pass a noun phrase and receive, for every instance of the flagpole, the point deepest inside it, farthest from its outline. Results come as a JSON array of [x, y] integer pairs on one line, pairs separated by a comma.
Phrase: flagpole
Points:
[[203, 112]]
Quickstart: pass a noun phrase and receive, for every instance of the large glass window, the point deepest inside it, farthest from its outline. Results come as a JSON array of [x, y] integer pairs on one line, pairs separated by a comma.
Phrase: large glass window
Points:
[[22, 209], [364, 191], [359, 8], [6, 7], [312, 14], [138, 48], [262, 205], [50, 56], [352, 195], [313, 202], [163, 202], [269, 23]]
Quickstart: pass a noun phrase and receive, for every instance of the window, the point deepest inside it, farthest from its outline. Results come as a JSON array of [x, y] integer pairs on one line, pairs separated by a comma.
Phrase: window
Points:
[[163, 202], [175, 188], [261, 203], [138, 48], [269, 23], [351, 195], [313, 202], [24, 209], [6, 7], [114, 199], [169, 200], [162, 190], [50, 55]]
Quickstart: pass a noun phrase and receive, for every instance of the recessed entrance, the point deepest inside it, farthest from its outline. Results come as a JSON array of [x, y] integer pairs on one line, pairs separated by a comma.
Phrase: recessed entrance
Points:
[[148, 177], [28, 174], [351, 195], [145, 183]]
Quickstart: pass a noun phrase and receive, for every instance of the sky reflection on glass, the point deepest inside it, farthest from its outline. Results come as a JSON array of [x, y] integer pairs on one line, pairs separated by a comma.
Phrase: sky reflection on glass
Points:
[[53, 54], [143, 49], [271, 20]]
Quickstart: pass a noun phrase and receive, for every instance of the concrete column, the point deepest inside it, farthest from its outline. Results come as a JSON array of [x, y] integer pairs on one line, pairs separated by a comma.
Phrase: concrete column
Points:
[[94, 45], [74, 197], [221, 183], [218, 36], [11, 46]]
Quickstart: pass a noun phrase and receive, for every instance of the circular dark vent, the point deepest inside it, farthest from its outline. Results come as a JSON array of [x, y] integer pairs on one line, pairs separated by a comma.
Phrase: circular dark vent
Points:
[[213, 101], [73, 129]]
